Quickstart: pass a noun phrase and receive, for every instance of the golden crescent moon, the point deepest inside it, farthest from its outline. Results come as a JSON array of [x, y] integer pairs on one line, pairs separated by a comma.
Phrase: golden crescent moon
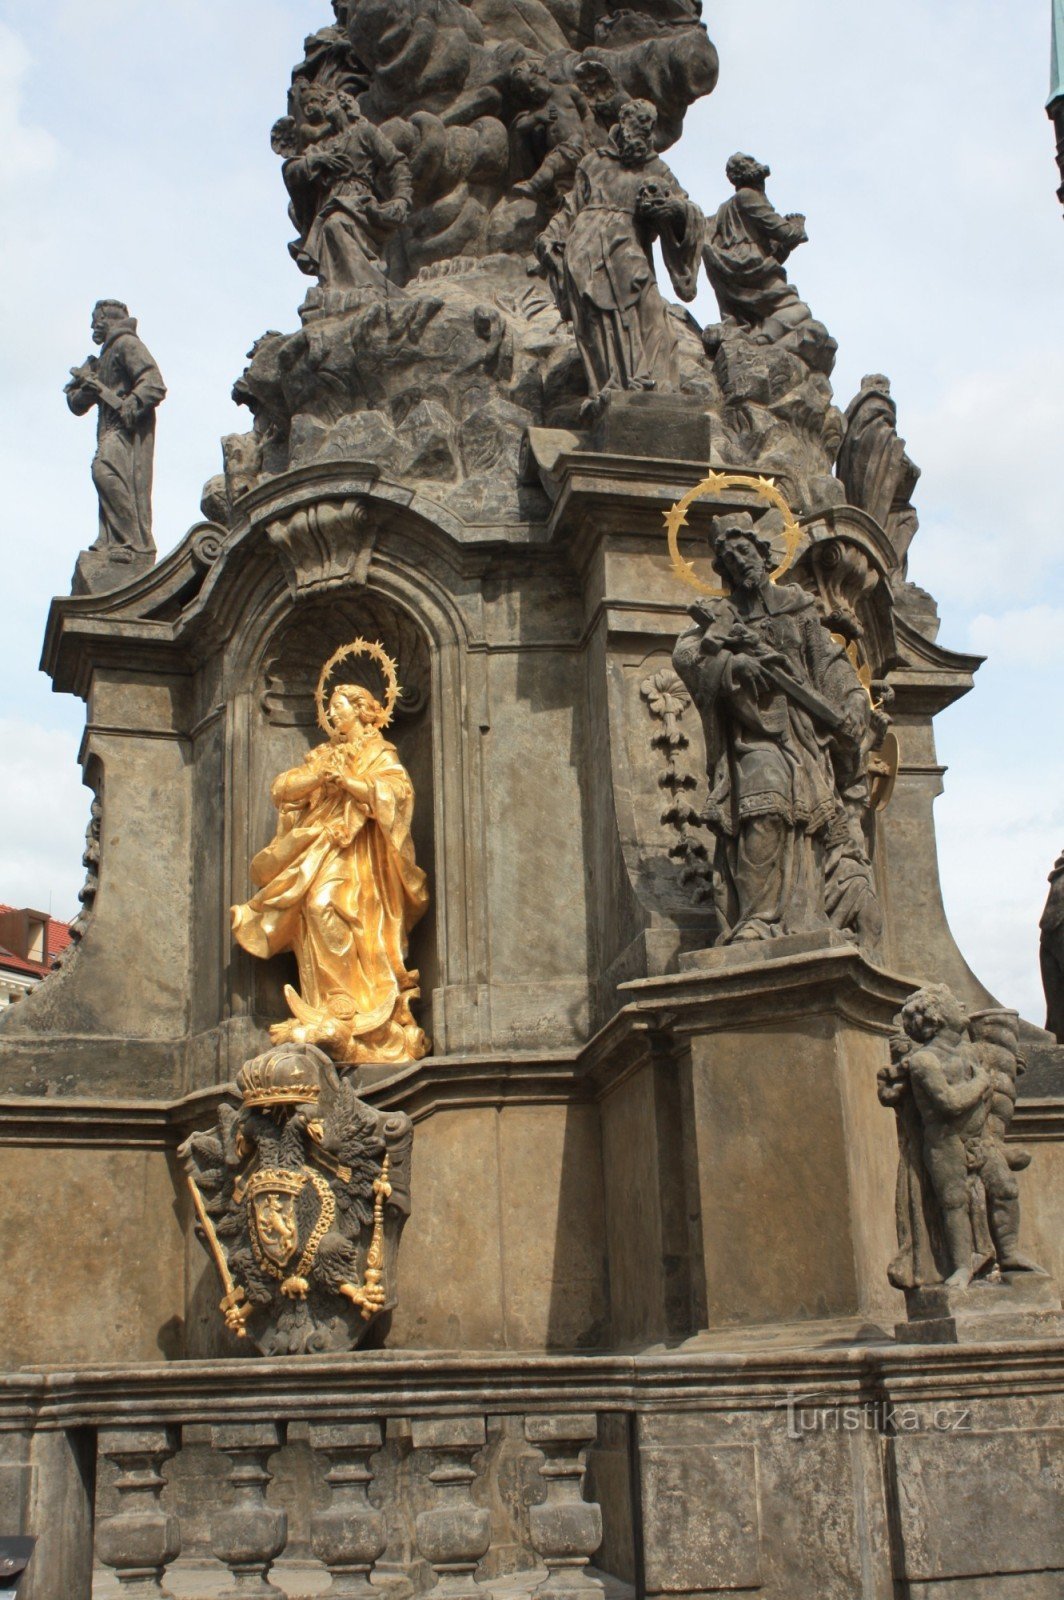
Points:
[[359, 647], [765, 489]]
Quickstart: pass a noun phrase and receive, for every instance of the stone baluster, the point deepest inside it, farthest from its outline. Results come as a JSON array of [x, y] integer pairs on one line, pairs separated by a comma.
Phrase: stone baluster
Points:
[[141, 1539], [566, 1529], [455, 1534], [350, 1534], [249, 1535]]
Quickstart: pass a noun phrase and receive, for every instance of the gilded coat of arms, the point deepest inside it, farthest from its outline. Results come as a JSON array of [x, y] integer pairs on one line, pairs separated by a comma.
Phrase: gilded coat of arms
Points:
[[300, 1197]]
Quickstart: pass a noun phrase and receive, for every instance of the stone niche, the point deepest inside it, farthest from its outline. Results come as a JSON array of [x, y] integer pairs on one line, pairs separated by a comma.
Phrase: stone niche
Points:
[[284, 725]]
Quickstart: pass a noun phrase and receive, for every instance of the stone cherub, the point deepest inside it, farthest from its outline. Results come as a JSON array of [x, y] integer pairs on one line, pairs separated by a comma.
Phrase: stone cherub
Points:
[[300, 1196], [786, 723], [125, 385], [350, 189], [952, 1086], [597, 253]]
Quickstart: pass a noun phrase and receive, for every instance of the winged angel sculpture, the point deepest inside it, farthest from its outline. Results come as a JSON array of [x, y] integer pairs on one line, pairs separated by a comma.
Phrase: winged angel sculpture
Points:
[[300, 1197]]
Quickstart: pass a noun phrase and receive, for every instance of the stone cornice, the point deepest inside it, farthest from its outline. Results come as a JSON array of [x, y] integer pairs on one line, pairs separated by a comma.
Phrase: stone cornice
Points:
[[382, 1383]]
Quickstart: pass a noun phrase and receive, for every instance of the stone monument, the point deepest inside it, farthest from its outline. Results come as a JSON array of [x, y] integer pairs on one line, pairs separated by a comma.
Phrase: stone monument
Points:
[[125, 386], [631, 620]]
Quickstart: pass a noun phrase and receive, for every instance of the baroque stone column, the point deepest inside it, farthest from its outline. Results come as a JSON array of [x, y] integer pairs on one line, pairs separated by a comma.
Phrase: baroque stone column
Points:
[[141, 1539], [456, 1534], [249, 1535], [350, 1534], [566, 1529]]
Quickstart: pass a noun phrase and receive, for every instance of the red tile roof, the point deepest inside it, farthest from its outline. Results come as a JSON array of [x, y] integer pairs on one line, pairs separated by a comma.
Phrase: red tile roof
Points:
[[58, 937]]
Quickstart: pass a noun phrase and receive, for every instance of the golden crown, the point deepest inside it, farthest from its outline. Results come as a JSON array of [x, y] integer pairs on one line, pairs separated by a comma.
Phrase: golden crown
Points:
[[277, 1079], [274, 1180]]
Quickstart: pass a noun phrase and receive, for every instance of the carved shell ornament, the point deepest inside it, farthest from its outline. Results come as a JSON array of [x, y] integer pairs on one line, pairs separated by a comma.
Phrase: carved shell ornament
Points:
[[359, 647], [715, 483]]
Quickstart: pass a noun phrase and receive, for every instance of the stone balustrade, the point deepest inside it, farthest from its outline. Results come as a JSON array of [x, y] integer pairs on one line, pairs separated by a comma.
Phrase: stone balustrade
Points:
[[429, 1499]]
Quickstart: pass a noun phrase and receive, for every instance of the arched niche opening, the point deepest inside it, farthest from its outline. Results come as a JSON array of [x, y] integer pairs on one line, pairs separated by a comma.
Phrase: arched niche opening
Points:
[[284, 726]]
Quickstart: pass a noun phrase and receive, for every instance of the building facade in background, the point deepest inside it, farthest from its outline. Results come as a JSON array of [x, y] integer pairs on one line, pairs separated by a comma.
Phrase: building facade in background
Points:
[[31, 943]]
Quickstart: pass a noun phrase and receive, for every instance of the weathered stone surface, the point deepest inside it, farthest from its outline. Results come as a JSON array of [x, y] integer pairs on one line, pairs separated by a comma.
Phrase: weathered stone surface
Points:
[[1016, 1306], [701, 1526]]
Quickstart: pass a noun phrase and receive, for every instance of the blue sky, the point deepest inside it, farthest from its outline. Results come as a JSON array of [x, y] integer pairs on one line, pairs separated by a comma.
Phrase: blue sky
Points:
[[135, 161]]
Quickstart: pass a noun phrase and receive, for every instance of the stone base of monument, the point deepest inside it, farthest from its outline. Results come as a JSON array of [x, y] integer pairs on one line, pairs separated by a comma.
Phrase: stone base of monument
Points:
[[821, 1472], [100, 571], [755, 1127], [1018, 1305]]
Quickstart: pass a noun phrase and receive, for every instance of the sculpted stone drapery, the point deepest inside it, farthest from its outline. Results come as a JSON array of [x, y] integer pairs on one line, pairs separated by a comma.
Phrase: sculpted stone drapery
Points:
[[349, 185], [339, 886], [125, 385], [598, 255], [747, 243], [952, 1086], [786, 722], [1051, 951]]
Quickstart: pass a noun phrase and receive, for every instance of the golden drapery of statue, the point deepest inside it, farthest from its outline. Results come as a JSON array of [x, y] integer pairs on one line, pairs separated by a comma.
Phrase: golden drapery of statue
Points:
[[338, 883]]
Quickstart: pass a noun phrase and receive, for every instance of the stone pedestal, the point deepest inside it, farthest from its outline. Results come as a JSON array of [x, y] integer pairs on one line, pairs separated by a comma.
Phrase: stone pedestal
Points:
[[101, 571], [1018, 1305], [745, 1148]]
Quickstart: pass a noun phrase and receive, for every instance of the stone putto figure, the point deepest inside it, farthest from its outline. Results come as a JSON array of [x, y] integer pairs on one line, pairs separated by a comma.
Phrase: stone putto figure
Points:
[[349, 186], [598, 256], [339, 886], [300, 1197], [786, 722], [1051, 951], [747, 243], [952, 1086], [125, 385]]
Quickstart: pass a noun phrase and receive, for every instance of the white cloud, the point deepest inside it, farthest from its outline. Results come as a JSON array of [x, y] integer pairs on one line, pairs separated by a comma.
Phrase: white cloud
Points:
[[1032, 637], [44, 809], [27, 149], [999, 831]]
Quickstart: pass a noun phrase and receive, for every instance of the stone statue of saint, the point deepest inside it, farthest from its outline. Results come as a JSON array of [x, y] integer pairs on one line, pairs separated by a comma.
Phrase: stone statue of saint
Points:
[[786, 726], [1051, 951], [349, 186], [125, 386], [952, 1086], [747, 243], [339, 886], [598, 255]]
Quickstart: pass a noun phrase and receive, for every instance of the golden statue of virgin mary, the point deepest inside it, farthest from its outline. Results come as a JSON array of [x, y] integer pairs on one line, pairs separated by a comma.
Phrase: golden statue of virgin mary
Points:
[[338, 883]]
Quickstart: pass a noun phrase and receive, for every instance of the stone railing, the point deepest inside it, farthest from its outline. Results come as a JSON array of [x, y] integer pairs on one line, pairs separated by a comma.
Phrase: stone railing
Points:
[[428, 1493]]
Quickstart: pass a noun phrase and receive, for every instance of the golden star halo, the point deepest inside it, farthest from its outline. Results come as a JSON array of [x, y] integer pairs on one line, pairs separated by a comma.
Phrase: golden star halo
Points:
[[765, 488], [359, 647]]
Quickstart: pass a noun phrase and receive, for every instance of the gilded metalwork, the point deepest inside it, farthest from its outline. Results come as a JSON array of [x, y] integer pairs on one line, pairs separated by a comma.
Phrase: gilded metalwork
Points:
[[300, 1202], [715, 483], [338, 884], [359, 647]]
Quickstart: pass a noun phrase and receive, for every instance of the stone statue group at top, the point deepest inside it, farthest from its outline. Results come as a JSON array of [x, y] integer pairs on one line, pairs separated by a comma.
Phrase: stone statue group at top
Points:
[[529, 133], [479, 193]]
